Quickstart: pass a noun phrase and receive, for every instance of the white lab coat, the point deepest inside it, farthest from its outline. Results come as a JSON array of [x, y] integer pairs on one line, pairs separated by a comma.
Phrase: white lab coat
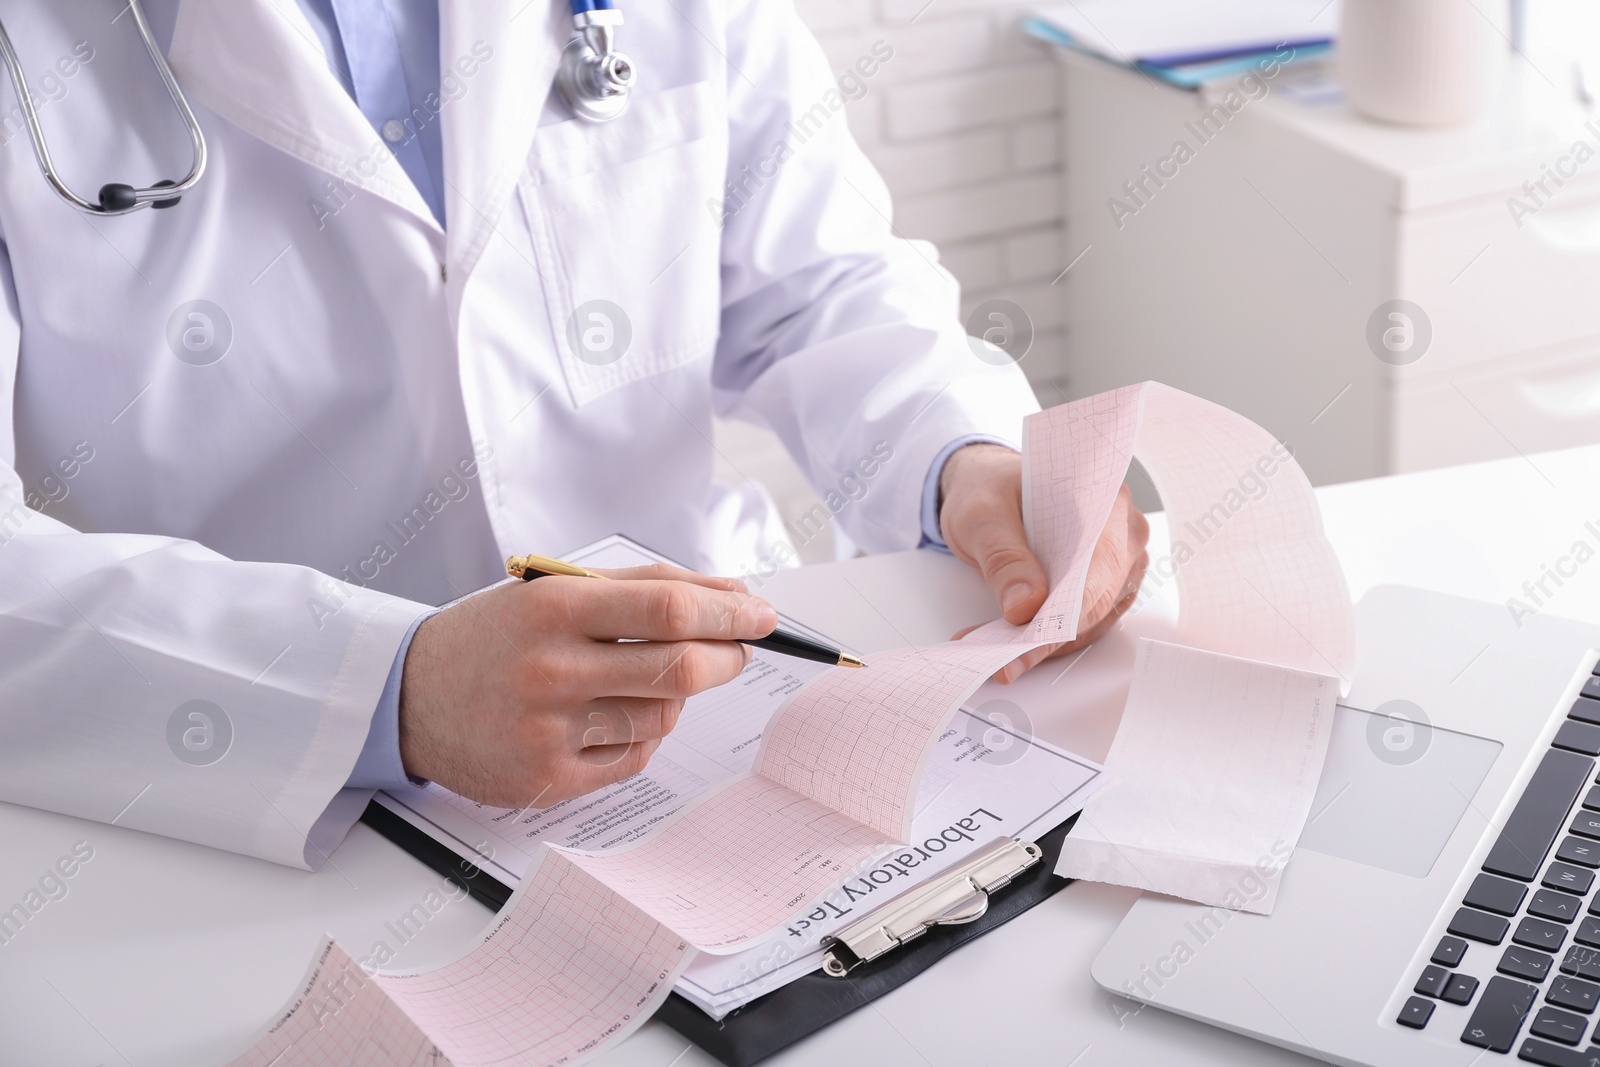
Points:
[[396, 405]]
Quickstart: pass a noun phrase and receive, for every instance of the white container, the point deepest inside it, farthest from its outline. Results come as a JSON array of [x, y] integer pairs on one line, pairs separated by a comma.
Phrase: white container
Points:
[[1420, 62]]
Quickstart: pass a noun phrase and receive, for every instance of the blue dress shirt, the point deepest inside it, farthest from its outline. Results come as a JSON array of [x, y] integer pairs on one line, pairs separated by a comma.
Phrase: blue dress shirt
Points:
[[386, 55]]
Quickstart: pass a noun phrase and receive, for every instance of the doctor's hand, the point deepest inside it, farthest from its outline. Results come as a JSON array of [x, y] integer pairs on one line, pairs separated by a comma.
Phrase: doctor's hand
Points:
[[527, 694], [981, 519]]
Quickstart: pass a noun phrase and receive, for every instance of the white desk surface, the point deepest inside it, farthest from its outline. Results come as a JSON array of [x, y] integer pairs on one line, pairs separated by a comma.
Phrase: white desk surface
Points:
[[170, 954]]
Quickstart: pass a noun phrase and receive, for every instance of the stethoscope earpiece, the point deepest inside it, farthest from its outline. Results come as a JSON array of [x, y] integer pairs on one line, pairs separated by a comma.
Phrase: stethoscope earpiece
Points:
[[596, 79]]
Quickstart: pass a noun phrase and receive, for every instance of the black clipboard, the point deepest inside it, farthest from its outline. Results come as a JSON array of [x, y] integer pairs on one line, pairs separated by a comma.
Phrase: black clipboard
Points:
[[794, 1011]]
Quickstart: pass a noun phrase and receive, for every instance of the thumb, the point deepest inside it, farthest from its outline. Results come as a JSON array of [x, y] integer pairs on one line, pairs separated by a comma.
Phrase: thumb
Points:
[[1014, 576]]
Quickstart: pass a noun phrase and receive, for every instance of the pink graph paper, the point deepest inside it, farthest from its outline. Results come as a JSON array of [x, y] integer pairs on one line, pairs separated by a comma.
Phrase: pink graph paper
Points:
[[591, 943]]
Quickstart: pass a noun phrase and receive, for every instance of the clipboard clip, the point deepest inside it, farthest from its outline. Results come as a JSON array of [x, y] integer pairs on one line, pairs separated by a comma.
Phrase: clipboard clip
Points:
[[959, 895]]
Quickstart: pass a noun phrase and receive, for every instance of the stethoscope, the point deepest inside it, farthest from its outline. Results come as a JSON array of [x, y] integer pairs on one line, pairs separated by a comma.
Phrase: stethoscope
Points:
[[596, 80], [115, 197]]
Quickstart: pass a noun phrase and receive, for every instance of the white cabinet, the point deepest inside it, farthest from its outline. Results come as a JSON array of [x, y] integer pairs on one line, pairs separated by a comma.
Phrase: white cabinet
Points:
[[1249, 272]]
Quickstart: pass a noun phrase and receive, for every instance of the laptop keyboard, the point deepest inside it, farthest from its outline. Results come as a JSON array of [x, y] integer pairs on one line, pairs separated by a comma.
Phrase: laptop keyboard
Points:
[[1536, 912]]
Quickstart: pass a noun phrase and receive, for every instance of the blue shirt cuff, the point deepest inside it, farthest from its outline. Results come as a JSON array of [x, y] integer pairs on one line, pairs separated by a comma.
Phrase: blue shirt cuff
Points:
[[931, 535], [379, 766]]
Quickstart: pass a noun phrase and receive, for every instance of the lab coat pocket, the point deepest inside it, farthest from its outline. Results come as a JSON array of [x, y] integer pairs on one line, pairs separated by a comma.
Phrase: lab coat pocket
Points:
[[628, 250]]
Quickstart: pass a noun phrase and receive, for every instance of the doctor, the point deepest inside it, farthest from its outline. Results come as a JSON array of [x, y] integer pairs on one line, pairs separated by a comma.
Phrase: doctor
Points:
[[417, 317]]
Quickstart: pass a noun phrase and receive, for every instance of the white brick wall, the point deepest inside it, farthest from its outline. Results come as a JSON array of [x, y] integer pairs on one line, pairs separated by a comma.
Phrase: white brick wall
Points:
[[963, 124]]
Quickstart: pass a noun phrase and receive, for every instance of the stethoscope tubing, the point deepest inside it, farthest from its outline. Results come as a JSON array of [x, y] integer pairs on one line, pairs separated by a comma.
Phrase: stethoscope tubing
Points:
[[589, 16], [151, 195]]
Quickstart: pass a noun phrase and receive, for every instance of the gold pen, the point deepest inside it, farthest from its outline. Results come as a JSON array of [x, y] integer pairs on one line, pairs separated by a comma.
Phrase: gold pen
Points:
[[789, 644]]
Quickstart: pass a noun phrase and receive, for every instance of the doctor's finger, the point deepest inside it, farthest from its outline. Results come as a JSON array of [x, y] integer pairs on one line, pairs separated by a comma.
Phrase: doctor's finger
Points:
[[1024, 663], [1108, 601], [604, 764], [662, 669], [667, 572], [1000, 548], [664, 611], [1101, 628], [1119, 557], [622, 720]]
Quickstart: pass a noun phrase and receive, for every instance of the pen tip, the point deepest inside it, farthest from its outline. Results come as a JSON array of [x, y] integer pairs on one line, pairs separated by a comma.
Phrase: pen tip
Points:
[[847, 660]]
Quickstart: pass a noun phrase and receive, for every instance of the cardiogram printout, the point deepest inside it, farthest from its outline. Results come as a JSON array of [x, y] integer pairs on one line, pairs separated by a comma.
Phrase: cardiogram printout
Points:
[[1224, 732], [724, 851]]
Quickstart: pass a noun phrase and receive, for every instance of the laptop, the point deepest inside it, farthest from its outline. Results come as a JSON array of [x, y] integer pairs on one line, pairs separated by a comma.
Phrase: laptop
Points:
[[1441, 906]]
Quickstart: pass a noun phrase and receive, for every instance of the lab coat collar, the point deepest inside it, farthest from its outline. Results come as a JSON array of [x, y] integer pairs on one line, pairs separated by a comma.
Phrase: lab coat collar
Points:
[[259, 64], [512, 49]]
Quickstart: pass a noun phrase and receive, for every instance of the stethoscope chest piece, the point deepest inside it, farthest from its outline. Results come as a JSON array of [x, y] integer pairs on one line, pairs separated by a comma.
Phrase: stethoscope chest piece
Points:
[[596, 79]]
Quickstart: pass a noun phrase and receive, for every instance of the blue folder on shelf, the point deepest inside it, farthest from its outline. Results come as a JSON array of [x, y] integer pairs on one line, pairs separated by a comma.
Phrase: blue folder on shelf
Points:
[[1186, 44]]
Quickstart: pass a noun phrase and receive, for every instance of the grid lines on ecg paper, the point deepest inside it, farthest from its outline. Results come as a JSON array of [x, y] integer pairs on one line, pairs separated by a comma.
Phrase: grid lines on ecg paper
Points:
[[738, 864], [570, 960], [857, 740], [1257, 583], [343, 1019], [1078, 456]]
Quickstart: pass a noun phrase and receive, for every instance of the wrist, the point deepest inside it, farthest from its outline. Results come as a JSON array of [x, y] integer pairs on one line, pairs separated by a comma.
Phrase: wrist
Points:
[[416, 679], [979, 460], [962, 459]]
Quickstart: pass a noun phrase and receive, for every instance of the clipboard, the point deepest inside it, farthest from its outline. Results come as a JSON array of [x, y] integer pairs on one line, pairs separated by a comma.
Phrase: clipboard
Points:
[[869, 964]]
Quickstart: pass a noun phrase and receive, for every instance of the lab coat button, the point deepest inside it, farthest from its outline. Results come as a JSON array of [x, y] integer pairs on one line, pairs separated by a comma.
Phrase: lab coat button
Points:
[[394, 131]]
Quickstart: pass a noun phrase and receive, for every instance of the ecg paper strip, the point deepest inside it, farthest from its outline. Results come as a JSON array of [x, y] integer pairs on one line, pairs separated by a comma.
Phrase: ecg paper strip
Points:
[[1074, 460], [592, 942], [342, 1017], [738, 863], [1261, 733], [568, 968], [1256, 576], [1212, 728], [1264, 581], [858, 741]]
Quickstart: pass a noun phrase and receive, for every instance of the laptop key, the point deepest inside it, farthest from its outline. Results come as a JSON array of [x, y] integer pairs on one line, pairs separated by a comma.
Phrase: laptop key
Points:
[[1591, 688], [1558, 1025], [1588, 932], [1547, 1055], [1499, 895], [1550, 904], [1536, 933], [1520, 849], [1591, 799], [1586, 824], [1521, 962], [1578, 736], [1416, 1013], [1449, 951], [1499, 1014], [1566, 876], [1479, 926], [1460, 989], [1577, 850], [1432, 982], [1573, 993], [1581, 961], [1586, 709]]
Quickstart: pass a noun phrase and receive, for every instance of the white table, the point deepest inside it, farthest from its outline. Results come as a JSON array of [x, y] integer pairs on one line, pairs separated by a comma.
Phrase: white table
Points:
[[170, 954]]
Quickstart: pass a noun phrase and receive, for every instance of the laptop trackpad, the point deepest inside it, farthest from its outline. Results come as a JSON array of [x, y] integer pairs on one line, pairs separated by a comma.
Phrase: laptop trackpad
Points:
[[1394, 788]]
